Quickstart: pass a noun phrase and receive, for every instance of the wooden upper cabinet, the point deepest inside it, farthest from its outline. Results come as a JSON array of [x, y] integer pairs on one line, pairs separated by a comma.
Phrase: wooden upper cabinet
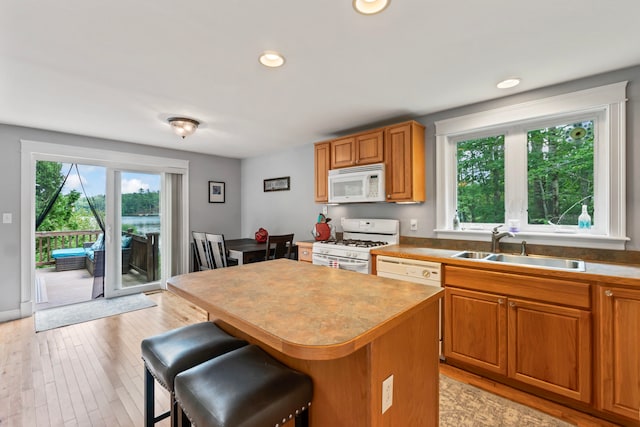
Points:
[[404, 160], [355, 150], [322, 156], [618, 337]]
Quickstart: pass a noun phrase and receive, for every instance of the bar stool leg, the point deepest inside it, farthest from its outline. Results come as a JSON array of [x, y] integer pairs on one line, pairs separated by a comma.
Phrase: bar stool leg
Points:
[[149, 398], [302, 420], [183, 421]]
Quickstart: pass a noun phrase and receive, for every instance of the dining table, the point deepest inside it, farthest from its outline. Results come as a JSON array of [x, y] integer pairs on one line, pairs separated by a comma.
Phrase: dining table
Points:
[[248, 250]]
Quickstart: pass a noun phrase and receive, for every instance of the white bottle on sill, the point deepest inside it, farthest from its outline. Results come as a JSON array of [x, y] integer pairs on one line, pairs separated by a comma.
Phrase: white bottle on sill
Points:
[[584, 220]]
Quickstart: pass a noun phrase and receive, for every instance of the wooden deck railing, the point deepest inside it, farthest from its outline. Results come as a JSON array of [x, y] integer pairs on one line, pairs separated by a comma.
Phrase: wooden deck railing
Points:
[[48, 241], [144, 248]]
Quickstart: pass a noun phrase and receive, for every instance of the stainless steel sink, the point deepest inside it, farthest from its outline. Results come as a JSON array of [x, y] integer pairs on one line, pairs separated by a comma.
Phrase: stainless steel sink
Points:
[[542, 262], [473, 255], [524, 260]]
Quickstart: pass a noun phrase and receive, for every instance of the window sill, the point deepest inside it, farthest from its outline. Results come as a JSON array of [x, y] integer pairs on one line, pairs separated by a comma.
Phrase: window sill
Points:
[[578, 240]]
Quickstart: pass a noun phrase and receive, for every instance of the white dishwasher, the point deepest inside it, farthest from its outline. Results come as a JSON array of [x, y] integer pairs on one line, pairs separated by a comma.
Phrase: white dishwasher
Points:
[[422, 272]]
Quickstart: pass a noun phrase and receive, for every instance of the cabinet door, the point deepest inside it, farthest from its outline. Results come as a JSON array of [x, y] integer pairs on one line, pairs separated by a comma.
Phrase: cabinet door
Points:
[[343, 153], [475, 328], [369, 148], [322, 154], [404, 159], [550, 347], [619, 341]]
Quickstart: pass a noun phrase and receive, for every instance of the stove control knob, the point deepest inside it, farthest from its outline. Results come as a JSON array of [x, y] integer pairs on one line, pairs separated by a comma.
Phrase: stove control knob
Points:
[[426, 273]]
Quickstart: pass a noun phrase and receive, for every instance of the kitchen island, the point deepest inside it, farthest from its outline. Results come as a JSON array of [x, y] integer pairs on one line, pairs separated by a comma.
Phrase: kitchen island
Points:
[[348, 331]]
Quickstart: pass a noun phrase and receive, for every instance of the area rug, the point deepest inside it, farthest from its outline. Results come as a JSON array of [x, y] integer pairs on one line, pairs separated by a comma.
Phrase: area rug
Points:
[[465, 405], [90, 310]]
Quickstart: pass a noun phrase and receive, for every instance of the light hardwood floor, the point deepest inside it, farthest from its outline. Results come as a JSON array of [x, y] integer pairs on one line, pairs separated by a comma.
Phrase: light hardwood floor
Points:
[[91, 374]]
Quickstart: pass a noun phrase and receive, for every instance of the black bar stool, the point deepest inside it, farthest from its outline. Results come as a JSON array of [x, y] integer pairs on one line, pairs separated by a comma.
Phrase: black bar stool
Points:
[[243, 388], [167, 354]]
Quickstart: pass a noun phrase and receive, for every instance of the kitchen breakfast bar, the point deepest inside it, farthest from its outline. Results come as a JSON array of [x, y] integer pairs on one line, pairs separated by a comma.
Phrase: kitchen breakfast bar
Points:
[[348, 331]]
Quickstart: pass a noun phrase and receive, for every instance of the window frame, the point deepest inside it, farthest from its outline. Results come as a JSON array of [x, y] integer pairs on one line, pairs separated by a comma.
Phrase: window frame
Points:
[[606, 105]]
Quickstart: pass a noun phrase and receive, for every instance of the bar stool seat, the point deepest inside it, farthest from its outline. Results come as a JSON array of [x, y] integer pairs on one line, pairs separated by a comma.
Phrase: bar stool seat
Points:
[[243, 388], [167, 354]]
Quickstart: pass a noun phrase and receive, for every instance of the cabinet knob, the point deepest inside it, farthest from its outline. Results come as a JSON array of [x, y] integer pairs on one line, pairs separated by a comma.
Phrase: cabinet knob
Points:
[[426, 273], [512, 304], [608, 293], [500, 301]]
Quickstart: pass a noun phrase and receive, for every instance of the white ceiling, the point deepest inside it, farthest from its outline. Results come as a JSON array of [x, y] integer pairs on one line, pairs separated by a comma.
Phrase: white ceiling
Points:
[[118, 69]]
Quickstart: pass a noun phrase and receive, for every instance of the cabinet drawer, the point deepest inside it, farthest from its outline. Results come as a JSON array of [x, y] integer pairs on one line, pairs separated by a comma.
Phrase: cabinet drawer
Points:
[[304, 251], [565, 292]]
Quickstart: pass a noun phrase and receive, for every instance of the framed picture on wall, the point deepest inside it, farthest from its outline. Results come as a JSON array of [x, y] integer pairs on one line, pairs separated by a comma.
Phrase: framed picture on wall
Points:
[[277, 184], [216, 192]]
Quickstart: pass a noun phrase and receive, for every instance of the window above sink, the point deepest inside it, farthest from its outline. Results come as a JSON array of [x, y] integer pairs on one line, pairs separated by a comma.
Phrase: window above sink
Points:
[[533, 165]]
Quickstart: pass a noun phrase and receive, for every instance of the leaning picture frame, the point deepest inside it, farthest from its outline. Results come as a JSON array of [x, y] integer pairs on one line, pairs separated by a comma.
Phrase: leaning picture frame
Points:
[[216, 191], [277, 184]]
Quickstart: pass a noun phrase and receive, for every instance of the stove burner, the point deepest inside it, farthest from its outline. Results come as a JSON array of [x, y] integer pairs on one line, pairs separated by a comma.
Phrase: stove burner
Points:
[[355, 243]]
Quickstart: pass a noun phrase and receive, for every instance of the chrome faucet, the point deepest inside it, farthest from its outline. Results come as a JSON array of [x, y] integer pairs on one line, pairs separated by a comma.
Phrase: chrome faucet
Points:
[[496, 236], [523, 248]]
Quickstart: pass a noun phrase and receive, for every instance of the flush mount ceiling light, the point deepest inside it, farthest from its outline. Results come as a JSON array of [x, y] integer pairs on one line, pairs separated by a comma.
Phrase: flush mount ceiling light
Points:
[[271, 59], [183, 126], [370, 7], [507, 83]]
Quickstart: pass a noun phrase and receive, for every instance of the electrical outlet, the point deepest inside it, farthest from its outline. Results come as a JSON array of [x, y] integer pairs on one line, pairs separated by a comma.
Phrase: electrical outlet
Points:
[[387, 393], [7, 218], [413, 224], [325, 210]]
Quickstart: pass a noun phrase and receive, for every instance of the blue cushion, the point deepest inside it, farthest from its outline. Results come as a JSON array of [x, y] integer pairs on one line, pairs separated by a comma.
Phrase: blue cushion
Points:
[[98, 245], [126, 241], [69, 252], [90, 253]]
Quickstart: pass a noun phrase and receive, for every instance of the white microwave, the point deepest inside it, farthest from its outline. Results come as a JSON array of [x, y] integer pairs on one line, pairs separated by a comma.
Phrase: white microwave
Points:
[[357, 184]]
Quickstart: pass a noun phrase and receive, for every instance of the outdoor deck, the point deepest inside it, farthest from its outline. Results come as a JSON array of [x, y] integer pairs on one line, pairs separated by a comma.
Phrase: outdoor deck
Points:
[[57, 288]]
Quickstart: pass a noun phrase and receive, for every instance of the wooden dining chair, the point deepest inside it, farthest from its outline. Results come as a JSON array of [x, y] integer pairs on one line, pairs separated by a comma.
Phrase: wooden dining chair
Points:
[[217, 249], [282, 246], [200, 251]]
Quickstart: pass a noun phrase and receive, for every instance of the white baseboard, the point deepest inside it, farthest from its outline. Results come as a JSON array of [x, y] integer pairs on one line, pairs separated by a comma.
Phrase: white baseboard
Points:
[[5, 316]]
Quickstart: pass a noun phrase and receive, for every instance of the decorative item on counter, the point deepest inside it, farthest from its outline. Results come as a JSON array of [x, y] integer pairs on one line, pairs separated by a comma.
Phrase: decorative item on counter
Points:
[[514, 225], [584, 220], [456, 221], [322, 230], [261, 235]]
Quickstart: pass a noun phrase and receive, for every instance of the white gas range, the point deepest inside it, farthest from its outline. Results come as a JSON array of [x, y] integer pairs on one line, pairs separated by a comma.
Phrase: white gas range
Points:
[[358, 238]]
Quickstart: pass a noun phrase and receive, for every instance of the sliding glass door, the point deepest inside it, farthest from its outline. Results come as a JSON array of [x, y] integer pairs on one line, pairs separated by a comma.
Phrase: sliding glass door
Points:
[[135, 227]]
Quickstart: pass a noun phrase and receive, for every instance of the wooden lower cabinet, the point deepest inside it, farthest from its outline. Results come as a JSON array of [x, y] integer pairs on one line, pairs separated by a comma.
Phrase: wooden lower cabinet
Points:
[[549, 347], [305, 251], [544, 345], [618, 335], [476, 329]]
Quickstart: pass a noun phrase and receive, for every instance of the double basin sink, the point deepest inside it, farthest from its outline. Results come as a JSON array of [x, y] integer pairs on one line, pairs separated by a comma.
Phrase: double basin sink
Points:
[[525, 260]]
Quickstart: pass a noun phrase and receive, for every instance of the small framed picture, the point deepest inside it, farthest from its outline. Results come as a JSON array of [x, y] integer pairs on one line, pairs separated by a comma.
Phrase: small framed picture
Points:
[[216, 192], [277, 184]]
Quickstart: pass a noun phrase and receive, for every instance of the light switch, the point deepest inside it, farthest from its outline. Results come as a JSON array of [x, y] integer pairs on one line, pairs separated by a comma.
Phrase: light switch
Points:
[[413, 224], [6, 218]]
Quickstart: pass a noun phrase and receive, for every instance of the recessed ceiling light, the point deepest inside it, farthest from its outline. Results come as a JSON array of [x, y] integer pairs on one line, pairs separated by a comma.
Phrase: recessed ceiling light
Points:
[[271, 59], [370, 7], [506, 84]]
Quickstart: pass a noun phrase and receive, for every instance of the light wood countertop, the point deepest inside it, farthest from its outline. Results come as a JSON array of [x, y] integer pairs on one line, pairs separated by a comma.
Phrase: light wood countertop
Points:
[[302, 310]]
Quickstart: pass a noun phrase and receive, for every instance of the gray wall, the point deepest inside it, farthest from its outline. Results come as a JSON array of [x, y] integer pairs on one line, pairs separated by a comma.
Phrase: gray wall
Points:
[[280, 212], [223, 218], [299, 162]]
